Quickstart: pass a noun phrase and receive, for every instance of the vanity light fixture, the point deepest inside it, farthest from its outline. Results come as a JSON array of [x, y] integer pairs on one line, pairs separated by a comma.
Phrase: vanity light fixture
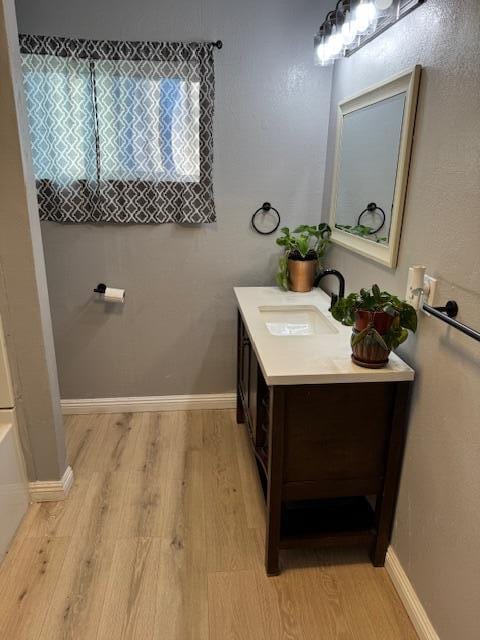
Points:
[[353, 23]]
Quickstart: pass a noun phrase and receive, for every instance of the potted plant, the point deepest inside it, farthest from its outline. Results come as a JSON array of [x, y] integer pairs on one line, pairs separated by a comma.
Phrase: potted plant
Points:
[[362, 230], [303, 249], [380, 323]]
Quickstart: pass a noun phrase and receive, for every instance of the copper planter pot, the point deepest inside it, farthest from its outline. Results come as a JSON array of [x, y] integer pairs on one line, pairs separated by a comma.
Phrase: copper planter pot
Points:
[[301, 274]]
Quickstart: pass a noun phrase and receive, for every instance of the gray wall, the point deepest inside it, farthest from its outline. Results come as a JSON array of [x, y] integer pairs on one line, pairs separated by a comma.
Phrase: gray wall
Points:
[[437, 526], [176, 333], [24, 304]]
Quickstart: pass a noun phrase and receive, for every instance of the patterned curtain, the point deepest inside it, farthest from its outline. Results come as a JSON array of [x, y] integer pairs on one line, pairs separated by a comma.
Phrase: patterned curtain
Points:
[[121, 131]]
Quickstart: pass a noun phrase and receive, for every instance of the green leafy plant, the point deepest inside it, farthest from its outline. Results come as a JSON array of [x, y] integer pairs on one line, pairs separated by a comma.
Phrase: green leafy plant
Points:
[[303, 243], [362, 230], [374, 300]]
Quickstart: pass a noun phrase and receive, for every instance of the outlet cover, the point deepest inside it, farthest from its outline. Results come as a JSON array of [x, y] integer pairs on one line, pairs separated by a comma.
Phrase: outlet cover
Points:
[[431, 285]]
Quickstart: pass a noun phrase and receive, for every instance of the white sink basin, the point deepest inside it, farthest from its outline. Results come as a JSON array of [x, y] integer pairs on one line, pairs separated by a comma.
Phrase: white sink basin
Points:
[[296, 320]]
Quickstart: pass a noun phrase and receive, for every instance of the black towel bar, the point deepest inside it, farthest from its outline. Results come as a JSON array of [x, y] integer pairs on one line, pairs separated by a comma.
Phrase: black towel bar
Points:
[[447, 314]]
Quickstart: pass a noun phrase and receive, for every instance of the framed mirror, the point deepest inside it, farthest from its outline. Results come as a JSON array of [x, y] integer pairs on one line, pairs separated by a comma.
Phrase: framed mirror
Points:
[[372, 157]]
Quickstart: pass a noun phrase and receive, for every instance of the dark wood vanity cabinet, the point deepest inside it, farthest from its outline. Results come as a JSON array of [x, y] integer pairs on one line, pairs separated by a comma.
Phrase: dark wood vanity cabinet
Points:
[[329, 457]]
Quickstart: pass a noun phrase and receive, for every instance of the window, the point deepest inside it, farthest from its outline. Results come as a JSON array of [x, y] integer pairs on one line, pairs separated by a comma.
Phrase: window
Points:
[[121, 132], [148, 124], [61, 116]]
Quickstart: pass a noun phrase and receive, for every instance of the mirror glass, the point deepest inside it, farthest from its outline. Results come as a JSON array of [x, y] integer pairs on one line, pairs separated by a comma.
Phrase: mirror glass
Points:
[[368, 169], [372, 154]]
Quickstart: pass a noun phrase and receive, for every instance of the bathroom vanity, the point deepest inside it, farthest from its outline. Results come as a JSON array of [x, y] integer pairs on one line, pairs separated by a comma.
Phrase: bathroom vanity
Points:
[[327, 435]]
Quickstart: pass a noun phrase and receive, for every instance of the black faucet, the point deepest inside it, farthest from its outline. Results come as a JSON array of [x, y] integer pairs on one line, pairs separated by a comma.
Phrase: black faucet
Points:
[[341, 284]]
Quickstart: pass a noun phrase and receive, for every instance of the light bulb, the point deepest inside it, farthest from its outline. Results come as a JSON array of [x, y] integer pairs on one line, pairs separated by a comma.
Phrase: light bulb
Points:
[[328, 47], [365, 15], [349, 29], [335, 42], [321, 55]]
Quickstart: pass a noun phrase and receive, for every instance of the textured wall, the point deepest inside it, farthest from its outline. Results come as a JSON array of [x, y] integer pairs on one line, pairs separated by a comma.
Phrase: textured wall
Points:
[[23, 285], [438, 516], [175, 334]]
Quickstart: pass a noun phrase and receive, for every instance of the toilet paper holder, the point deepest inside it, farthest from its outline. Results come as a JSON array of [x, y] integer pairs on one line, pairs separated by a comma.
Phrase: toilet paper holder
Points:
[[110, 294]]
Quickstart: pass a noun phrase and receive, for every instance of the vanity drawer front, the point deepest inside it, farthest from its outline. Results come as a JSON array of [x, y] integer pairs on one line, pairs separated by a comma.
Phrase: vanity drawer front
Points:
[[337, 432]]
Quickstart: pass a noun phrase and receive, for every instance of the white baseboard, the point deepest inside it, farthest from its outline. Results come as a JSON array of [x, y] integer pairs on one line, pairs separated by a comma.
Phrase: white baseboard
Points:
[[149, 403], [411, 602], [51, 490]]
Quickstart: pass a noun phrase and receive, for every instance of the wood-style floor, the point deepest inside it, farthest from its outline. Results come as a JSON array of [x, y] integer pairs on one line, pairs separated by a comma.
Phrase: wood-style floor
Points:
[[162, 537]]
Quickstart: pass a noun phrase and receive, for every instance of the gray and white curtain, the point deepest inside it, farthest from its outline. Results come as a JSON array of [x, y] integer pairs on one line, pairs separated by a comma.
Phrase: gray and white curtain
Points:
[[121, 131]]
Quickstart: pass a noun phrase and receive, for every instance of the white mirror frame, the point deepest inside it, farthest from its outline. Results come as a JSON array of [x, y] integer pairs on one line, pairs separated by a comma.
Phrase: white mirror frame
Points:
[[407, 82]]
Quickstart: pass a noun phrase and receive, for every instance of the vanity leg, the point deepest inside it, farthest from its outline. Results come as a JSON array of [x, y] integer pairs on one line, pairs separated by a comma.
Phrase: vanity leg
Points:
[[274, 487], [385, 508], [272, 561], [272, 538]]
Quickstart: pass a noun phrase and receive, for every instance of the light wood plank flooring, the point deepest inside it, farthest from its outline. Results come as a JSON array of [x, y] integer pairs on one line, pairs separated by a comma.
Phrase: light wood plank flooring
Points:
[[162, 538]]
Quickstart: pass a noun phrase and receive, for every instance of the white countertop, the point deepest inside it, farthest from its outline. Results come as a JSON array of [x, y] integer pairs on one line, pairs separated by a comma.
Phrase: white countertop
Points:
[[307, 359]]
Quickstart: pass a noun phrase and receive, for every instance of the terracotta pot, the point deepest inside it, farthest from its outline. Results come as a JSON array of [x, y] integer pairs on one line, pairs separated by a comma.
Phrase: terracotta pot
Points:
[[381, 321], [368, 353], [301, 274]]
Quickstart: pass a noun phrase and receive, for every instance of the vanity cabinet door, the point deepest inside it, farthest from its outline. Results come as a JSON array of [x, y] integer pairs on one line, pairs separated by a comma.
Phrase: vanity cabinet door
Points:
[[244, 361], [258, 402], [253, 394], [253, 390]]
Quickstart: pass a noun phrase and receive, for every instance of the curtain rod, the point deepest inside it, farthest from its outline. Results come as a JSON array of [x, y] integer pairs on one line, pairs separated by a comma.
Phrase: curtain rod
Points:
[[218, 44]]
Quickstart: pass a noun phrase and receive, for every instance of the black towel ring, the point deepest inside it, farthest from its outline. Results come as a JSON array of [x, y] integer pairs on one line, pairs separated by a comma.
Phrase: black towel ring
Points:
[[371, 207], [265, 208]]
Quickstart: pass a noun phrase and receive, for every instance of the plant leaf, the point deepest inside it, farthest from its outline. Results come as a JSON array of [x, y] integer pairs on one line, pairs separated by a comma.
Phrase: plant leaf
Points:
[[402, 337], [390, 309], [282, 275], [359, 337], [378, 339]]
